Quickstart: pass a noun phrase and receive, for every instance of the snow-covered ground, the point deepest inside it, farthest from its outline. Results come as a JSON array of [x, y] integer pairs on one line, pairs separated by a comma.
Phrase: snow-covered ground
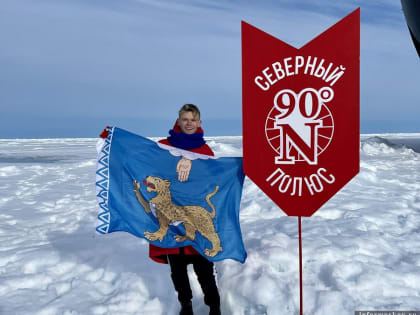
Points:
[[361, 251]]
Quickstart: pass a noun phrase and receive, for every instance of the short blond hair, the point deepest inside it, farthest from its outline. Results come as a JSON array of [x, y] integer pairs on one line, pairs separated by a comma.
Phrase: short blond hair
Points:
[[189, 108]]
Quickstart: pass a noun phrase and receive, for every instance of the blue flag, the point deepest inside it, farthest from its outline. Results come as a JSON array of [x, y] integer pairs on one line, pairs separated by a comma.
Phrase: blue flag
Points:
[[139, 192]]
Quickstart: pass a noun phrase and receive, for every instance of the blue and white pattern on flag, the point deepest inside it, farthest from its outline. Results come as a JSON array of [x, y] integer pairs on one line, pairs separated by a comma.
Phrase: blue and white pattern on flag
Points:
[[138, 192]]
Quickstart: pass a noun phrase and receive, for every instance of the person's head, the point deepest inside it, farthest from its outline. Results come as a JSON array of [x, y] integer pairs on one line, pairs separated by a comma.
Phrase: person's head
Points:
[[189, 119]]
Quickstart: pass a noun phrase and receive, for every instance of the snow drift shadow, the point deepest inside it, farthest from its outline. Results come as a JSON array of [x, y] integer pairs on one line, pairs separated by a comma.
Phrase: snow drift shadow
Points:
[[383, 144], [37, 159], [115, 265]]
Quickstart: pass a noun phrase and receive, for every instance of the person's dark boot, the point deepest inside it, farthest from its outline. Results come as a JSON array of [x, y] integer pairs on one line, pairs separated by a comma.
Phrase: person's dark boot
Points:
[[215, 310], [186, 309]]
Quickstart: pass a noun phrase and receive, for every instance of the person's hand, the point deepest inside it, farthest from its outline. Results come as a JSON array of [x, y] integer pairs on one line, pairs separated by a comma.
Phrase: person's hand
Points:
[[104, 133], [183, 169]]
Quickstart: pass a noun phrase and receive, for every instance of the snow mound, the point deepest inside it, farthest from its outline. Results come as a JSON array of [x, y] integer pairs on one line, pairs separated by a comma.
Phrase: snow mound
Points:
[[229, 146], [380, 146]]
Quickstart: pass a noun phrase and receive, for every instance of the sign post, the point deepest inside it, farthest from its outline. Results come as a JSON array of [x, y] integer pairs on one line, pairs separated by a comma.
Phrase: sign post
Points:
[[301, 116]]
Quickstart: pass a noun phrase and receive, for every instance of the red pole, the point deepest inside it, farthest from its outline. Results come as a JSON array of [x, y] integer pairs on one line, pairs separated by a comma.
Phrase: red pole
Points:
[[300, 266]]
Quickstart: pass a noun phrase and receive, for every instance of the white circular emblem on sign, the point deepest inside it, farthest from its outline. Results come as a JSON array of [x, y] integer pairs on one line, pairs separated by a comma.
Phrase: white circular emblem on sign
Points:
[[300, 126]]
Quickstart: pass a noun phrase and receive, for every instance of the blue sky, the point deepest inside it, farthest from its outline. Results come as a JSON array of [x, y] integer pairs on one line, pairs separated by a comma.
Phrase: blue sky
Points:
[[70, 67]]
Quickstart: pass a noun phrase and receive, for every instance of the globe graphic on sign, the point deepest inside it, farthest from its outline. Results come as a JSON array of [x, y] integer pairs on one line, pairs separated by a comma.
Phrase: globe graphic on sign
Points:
[[324, 134]]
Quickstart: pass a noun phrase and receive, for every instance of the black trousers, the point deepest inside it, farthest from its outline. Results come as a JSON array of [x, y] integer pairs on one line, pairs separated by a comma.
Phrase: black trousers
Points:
[[205, 272]]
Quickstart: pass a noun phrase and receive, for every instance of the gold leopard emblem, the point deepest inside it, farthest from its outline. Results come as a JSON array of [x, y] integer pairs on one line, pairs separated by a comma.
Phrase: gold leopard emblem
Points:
[[195, 218]]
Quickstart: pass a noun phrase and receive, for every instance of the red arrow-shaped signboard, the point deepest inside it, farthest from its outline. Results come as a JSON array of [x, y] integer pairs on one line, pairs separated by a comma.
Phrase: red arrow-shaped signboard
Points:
[[301, 114]]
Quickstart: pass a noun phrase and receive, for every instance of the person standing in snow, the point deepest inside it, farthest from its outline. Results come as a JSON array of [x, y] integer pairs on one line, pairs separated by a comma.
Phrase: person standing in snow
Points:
[[187, 135]]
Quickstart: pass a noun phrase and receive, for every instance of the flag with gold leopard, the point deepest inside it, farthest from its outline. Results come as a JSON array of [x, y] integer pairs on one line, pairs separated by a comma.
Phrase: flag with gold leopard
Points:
[[140, 191]]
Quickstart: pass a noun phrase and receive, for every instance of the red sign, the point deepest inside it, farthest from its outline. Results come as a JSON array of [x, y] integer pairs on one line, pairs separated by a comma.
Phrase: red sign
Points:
[[301, 114]]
